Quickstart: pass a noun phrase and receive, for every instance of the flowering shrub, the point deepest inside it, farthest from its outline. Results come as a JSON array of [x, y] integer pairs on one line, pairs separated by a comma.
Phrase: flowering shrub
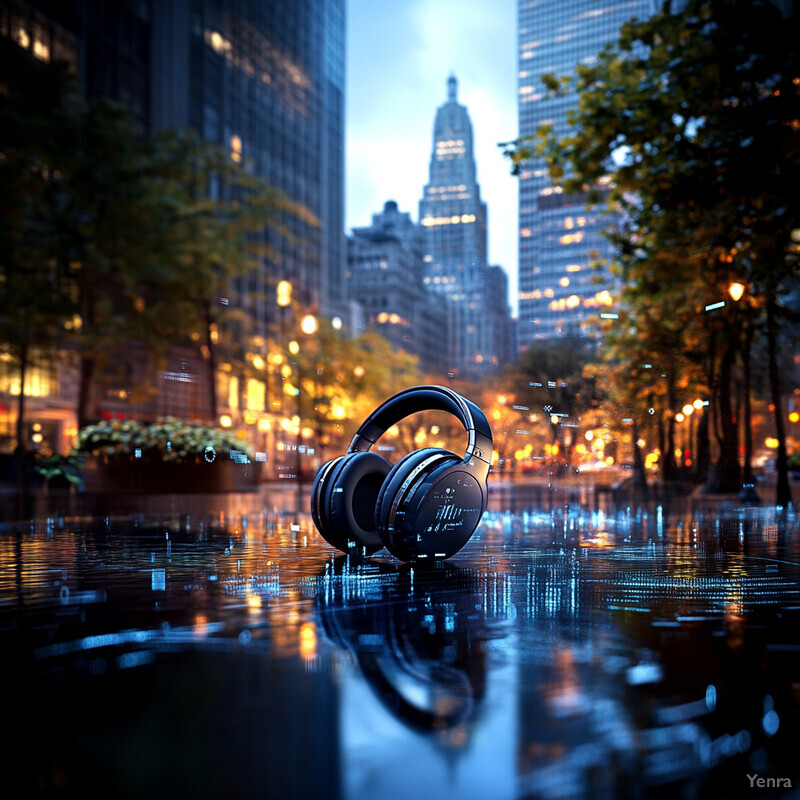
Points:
[[167, 439]]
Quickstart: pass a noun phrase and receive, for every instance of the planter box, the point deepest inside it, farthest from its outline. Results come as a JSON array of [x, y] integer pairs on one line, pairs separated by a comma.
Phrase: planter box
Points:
[[138, 476]]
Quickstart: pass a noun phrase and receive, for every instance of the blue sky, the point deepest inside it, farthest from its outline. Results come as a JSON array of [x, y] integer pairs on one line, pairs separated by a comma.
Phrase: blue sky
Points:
[[399, 56]]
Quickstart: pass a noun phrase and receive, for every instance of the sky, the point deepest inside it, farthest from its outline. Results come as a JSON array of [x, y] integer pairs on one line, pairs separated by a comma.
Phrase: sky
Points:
[[399, 54]]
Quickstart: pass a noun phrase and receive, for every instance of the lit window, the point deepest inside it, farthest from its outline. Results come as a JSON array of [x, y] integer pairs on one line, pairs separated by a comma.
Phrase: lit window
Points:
[[256, 395], [22, 38], [218, 43], [236, 148], [228, 388], [40, 381], [41, 51]]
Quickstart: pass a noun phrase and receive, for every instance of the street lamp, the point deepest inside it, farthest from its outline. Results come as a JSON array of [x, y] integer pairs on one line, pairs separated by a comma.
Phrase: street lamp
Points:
[[688, 410], [736, 291], [308, 325], [748, 493]]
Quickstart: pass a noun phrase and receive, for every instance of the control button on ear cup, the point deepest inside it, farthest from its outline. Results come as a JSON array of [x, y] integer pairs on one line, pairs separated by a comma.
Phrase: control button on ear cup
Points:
[[398, 476], [440, 516], [348, 498]]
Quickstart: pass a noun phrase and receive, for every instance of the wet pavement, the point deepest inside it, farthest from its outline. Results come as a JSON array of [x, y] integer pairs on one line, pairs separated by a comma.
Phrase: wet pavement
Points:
[[572, 649]]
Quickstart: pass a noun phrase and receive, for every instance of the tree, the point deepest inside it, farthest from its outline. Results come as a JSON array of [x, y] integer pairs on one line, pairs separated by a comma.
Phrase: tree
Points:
[[549, 382], [111, 236], [35, 297], [223, 224], [693, 118], [345, 379]]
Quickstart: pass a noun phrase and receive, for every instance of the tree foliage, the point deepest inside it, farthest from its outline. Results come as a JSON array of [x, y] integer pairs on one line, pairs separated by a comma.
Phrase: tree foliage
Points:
[[342, 380], [689, 128], [549, 391]]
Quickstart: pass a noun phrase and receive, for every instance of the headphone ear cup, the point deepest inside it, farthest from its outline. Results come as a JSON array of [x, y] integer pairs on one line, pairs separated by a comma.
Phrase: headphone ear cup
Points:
[[317, 490], [347, 495], [397, 477]]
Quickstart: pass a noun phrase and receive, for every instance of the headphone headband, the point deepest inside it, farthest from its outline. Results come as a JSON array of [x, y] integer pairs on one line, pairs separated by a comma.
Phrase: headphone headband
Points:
[[424, 398]]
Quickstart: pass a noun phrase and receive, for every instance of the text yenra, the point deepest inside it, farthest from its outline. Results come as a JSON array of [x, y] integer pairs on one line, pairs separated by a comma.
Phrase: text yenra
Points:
[[770, 783]]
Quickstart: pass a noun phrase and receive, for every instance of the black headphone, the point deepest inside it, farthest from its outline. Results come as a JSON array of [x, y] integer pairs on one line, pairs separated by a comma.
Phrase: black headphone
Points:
[[427, 505]]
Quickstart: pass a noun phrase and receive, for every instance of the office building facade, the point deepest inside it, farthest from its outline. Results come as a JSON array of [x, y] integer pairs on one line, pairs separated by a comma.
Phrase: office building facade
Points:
[[385, 274], [559, 236], [454, 219], [264, 79]]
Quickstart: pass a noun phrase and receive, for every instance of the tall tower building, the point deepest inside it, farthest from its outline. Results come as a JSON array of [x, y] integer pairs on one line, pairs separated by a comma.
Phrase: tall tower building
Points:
[[559, 236], [265, 80], [262, 78], [454, 218], [385, 275]]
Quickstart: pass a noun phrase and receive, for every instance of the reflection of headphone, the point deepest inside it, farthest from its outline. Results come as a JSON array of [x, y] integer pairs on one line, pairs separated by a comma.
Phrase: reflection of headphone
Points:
[[425, 506], [424, 660]]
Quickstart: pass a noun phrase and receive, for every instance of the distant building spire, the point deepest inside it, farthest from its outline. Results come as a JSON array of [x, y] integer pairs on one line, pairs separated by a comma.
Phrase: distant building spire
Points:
[[453, 218]]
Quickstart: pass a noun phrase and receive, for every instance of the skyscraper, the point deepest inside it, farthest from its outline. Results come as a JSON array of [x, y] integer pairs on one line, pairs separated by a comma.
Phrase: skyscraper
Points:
[[264, 79], [454, 217], [385, 274], [559, 236]]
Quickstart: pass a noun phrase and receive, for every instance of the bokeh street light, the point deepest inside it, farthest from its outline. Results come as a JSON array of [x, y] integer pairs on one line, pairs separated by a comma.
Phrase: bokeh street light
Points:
[[284, 291], [686, 413], [309, 324], [736, 291]]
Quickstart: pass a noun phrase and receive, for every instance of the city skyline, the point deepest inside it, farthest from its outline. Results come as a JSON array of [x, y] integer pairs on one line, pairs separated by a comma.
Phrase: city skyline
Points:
[[399, 59]]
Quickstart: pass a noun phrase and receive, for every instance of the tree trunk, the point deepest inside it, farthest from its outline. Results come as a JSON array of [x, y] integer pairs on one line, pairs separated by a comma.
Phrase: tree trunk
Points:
[[23, 371], [212, 366], [747, 431], [86, 413], [639, 474], [669, 470], [783, 494], [725, 476], [703, 447]]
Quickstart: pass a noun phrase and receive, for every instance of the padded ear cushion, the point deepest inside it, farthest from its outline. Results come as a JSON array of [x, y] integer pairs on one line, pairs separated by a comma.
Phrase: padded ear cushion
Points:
[[320, 482], [395, 479], [347, 501]]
